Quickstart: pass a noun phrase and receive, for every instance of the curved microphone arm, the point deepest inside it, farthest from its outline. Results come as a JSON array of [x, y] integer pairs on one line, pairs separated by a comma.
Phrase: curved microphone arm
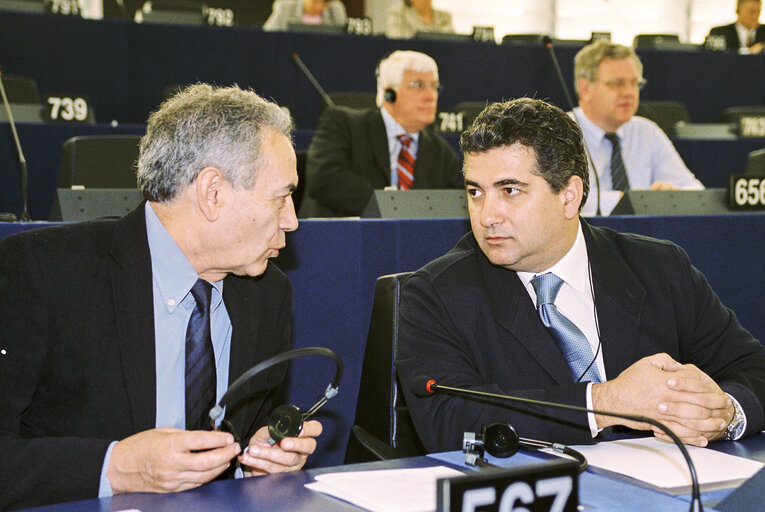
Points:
[[430, 387]]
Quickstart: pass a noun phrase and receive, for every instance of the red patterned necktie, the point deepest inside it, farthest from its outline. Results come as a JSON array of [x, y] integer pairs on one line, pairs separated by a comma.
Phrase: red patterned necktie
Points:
[[405, 165]]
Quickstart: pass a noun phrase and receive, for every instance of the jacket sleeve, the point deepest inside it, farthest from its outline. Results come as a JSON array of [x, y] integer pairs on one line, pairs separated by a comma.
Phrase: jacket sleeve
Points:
[[330, 177]]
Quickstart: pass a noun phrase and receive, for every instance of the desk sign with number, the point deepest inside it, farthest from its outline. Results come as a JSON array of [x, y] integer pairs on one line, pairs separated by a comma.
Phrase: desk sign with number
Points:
[[551, 486], [68, 108], [746, 192], [359, 26], [751, 126]]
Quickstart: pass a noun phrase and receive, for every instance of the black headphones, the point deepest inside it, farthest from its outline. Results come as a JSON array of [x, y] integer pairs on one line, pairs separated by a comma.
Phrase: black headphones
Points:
[[286, 420], [502, 441], [389, 94]]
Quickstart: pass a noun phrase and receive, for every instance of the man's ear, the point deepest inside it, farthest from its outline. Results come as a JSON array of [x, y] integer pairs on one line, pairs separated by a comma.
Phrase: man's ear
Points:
[[208, 187], [572, 196], [583, 86]]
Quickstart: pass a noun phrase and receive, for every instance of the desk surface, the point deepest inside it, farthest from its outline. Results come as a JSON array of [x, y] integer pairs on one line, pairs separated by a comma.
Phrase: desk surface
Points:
[[286, 491]]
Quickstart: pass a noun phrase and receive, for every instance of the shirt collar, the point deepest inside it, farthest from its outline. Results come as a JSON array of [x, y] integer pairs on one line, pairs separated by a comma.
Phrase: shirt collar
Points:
[[393, 128], [590, 128], [573, 267], [171, 271]]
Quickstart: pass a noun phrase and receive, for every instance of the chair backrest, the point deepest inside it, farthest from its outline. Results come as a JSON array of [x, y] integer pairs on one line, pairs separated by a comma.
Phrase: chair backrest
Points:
[[671, 41], [665, 113], [99, 161], [380, 408], [354, 99], [23, 97], [755, 163], [733, 114]]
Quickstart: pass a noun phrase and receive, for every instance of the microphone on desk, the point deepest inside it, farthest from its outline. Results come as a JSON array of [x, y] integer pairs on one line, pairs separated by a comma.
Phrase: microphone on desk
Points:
[[316, 85], [548, 43], [22, 161], [425, 387]]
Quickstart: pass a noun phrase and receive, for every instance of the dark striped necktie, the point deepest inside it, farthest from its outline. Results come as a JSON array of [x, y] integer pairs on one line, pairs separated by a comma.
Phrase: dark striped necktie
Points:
[[405, 165], [619, 180], [200, 360]]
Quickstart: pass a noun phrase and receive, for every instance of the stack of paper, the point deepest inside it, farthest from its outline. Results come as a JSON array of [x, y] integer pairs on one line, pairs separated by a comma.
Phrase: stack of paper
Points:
[[661, 466], [388, 490]]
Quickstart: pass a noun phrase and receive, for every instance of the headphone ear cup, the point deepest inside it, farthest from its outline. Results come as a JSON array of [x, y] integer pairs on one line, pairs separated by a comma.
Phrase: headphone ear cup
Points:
[[390, 95], [501, 440], [285, 421]]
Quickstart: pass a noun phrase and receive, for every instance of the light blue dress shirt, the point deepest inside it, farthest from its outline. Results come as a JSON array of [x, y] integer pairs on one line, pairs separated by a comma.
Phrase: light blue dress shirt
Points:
[[647, 152], [172, 279], [393, 130]]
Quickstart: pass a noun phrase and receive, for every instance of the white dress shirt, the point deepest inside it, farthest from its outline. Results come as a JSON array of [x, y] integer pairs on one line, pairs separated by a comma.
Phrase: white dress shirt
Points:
[[647, 152], [575, 301]]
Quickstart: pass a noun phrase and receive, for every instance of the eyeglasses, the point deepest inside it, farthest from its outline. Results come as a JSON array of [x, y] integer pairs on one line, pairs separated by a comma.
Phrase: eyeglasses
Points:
[[621, 83], [419, 85]]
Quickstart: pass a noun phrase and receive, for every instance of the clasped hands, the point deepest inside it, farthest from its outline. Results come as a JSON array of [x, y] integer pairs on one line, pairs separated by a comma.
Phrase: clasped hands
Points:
[[680, 396], [169, 459]]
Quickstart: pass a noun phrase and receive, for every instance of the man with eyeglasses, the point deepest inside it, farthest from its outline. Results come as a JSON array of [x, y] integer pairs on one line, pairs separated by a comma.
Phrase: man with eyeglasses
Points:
[[629, 152], [357, 151]]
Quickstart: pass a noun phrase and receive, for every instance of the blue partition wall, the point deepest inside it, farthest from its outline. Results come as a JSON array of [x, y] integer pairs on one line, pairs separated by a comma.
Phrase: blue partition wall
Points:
[[333, 265]]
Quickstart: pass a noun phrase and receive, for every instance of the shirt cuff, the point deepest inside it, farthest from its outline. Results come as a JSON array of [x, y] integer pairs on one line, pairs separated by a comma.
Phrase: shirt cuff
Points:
[[594, 431], [105, 488]]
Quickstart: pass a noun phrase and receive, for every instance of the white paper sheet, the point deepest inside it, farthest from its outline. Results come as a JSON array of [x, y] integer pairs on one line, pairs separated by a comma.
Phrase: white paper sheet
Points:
[[661, 466], [388, 490]]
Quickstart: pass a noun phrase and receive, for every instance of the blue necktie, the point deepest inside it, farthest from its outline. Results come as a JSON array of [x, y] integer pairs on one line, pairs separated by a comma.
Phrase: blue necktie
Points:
[[619, 179], [572, 342], [200, 360]]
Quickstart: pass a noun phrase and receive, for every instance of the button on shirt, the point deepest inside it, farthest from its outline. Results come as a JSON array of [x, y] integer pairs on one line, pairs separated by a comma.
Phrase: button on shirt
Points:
[[648, 155], [393, 129], [575, 301]]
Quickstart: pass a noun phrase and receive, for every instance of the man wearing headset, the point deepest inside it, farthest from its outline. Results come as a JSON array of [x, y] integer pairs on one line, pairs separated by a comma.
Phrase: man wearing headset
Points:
[[536, 303], [96, 377], [354, 152]]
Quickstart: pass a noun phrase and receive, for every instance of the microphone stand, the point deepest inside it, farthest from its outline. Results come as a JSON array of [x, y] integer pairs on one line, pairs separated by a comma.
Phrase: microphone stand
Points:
[[22, 161], [547, 41], [432, 387], [316, 85]]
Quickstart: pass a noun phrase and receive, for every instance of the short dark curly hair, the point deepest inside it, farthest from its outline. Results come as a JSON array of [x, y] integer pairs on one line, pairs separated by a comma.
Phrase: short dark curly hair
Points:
[[554, 136]]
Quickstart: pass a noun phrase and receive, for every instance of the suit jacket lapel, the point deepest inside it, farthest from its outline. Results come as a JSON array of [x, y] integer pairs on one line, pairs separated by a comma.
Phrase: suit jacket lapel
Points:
[[619, 298], [134, 315], [514, 311], [427, 156], [378, 141], [242, 357]]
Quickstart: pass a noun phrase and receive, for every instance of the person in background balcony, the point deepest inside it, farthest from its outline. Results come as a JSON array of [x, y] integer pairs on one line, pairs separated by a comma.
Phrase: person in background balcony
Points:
[[412, 16], [307, 12]]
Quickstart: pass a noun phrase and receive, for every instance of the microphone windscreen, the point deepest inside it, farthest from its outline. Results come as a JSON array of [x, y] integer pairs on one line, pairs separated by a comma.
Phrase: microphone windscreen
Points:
[[420, 386], [546, 41]]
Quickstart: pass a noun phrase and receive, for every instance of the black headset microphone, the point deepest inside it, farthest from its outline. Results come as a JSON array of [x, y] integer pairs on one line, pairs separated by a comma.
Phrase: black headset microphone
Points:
[[424, 387], [286, 420], [316, 85], [22, 161], [548, 43]]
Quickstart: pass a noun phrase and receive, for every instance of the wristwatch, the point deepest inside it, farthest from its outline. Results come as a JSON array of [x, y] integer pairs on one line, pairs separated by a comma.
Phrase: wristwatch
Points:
[[735, 428]]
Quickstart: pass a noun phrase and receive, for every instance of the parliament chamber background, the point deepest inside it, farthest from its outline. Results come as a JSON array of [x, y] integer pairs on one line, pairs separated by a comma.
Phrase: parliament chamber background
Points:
[[123, 69]]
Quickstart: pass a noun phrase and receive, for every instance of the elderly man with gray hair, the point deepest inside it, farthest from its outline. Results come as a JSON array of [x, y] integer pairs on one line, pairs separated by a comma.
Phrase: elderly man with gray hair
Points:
[[129, 330], [629, 152], [357, 151]]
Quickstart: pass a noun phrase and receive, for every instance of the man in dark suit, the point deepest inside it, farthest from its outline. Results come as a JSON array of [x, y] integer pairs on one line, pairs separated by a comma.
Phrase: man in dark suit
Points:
[[98, 317], [746, 35], [354, 152], [641, 330]]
